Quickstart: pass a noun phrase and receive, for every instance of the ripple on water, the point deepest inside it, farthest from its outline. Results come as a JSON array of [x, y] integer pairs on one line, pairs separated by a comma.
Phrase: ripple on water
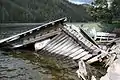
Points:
[[19, 68]]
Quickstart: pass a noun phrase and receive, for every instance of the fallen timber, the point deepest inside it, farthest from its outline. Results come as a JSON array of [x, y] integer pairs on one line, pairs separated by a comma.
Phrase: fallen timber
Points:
[[61, 41], [102, 37], [33, 35]]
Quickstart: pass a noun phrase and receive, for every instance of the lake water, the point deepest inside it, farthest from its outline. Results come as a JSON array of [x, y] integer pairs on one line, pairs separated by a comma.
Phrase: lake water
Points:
[[27, 66]]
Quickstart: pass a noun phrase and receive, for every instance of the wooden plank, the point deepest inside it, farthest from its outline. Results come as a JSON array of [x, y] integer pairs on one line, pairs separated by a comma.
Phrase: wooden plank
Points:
[[80, 55], [58, 45], [98, 57], [35, 40], [67, 48], [56, 38], [57, 41], [77, 52], [71, 51], [105, 34], [86, 57], [67, 51], [80, 52], [89, 44], [61, 48], [76, 39], [18, 35]]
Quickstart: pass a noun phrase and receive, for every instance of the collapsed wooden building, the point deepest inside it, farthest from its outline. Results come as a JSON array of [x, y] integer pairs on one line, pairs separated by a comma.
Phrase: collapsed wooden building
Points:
[[59, 40]]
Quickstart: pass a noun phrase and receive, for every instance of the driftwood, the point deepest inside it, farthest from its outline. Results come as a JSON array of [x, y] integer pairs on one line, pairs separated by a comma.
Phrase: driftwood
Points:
[[82, 72]]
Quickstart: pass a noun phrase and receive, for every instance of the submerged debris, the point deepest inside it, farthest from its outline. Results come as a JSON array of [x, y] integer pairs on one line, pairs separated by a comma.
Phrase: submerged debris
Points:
[[82, 72]]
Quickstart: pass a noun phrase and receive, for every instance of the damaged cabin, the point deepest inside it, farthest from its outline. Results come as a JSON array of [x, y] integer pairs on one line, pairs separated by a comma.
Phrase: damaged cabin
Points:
[[56, 38], [60, 40]]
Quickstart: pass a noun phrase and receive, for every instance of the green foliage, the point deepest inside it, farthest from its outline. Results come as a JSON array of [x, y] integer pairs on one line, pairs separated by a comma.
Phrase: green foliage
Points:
[[116, 9], [100, 12], [40, 10]]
